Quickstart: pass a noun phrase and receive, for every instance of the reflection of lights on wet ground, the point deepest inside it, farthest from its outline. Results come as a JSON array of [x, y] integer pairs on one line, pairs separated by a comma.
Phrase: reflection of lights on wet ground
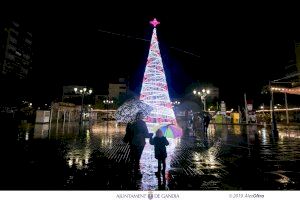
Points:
[[27, 136], [206, 159], [40, 131], [283, 133], [191, 159], [70, 163], [212, 129], [289, 134], [236, 129], [86, 159], [79, 156], [283, 179], [80, 163], [87, 156], [88, 137], [148, 163], [107, 127], [106, 142], [211, 157], [263, 135], [171, 150]]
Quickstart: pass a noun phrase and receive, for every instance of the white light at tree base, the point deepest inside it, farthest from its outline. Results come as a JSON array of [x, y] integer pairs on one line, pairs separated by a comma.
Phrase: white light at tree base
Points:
[[154, 88]]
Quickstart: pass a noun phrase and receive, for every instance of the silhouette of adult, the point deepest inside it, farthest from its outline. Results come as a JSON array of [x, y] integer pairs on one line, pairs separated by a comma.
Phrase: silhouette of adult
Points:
[[139, 134], [206, 121], [128, 139]]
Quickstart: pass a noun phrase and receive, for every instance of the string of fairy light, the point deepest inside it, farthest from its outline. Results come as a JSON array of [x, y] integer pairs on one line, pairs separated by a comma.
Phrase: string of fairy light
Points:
[[146, 40], [286, 90]]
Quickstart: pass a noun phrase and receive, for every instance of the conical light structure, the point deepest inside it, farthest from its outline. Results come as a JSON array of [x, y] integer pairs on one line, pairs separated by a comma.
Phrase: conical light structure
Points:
[[154, 88]]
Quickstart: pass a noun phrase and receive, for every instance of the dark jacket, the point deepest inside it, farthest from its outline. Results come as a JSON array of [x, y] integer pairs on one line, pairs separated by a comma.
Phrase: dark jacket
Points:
[[160, 144], [140, 132], [129, 134], [206, 120]]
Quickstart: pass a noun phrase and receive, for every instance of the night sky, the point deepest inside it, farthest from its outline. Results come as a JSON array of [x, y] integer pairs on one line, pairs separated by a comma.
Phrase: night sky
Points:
[[237, 50]]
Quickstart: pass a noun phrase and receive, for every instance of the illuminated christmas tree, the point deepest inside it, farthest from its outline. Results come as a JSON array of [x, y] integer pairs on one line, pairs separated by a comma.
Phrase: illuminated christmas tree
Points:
[[155, 89]]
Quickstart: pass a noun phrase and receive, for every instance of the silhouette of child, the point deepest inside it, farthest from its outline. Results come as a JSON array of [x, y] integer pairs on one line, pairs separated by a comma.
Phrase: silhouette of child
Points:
[[160, 142]]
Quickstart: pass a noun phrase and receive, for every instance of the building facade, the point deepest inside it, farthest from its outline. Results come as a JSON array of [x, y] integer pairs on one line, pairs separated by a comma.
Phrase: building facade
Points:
[[115, 90], [15, 51]]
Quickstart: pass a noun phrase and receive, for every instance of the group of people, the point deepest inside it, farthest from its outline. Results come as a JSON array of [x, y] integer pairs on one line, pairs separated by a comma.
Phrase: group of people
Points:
[[201, 122], [136, 133]]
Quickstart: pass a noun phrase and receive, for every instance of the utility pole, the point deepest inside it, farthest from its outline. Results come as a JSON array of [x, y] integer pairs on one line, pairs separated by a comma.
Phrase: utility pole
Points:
[[81, 110], [274, 125], [240, 114], [246, 109], [271, 113], [82, 92], [286, 109]]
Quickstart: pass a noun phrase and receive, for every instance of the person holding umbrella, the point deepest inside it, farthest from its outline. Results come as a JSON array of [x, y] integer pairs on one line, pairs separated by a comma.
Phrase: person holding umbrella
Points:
[[132, 112], [139, 134], [128, 139]]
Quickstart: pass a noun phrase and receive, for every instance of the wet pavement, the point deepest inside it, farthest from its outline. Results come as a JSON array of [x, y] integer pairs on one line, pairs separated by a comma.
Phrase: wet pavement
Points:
[[93, 157]]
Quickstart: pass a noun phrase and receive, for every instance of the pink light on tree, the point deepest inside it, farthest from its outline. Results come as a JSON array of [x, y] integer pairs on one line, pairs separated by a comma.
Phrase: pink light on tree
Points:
[[154, 22], [154, 88]]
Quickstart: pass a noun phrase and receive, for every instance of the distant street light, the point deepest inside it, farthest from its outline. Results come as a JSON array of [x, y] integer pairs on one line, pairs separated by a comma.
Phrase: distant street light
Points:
[[263, 108], [202, 95], [107, 103], [175, 104], [83, 92]]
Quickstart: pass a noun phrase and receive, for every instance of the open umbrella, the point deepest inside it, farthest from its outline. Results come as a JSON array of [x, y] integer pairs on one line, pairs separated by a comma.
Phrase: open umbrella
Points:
[[128, 110], [171, 131]]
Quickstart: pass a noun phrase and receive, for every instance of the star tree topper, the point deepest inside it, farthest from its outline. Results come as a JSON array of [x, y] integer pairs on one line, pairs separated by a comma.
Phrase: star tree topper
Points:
[[154, 22]]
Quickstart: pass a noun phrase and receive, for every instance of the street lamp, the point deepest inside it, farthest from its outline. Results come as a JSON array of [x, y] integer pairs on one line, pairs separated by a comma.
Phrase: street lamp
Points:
[[83, 92], [107, 103], [274, 125], [175, 104], [262, 107], [203, 93]]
